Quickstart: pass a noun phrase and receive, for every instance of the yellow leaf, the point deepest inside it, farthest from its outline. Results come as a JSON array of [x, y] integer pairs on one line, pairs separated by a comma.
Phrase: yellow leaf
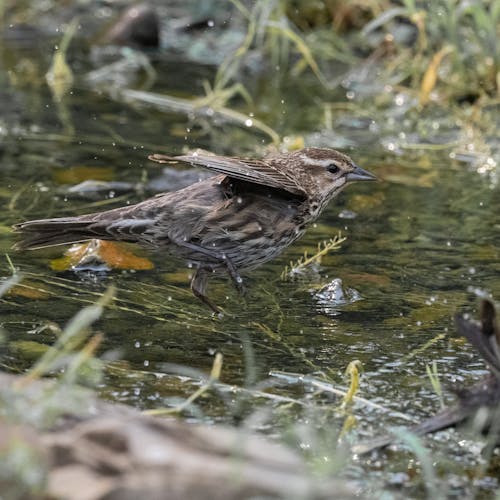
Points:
[[430, 77]]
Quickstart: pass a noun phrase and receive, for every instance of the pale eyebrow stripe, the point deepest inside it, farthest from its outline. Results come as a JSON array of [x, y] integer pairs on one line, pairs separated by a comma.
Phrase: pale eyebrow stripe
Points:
[[319, 163]]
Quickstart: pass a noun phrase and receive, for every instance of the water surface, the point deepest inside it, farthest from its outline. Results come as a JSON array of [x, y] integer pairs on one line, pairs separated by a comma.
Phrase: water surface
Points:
[[420, 244]]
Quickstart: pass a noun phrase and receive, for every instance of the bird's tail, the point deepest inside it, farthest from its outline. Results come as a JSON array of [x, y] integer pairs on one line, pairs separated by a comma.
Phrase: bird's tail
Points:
[[44, 233]]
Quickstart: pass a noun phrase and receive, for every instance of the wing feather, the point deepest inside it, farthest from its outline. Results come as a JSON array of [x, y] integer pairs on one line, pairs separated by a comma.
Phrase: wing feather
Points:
[[256, 171]]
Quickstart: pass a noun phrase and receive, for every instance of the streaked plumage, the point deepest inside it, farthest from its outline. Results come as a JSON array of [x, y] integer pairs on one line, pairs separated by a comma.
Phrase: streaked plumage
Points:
[[231, 222]]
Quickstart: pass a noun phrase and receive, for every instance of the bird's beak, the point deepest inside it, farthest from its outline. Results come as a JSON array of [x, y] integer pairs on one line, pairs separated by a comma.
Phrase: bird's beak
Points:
[[360, 174]]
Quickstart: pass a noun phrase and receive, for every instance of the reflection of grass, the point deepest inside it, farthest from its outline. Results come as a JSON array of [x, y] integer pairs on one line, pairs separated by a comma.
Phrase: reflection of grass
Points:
[[210, 106], [60, 77]]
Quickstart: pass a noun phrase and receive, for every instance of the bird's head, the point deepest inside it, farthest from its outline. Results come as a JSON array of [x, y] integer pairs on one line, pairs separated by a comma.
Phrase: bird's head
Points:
[[323, 172]]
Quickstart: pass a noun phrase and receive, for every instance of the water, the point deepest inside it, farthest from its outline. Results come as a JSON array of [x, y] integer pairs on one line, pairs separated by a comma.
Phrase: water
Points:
[[420, 243]]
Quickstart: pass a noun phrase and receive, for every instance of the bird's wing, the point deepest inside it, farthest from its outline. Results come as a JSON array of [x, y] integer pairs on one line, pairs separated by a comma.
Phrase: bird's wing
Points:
[[256, 171]]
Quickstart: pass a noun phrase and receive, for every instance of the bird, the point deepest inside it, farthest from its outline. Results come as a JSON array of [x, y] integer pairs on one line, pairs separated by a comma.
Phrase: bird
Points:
[[234, 221]]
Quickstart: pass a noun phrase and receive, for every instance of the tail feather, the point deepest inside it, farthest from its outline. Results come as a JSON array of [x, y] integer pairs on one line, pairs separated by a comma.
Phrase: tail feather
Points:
[[45, 233], [118, 224]]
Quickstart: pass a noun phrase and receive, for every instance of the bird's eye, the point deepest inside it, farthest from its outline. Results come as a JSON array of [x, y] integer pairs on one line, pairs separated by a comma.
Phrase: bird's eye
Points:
[[332, 168]]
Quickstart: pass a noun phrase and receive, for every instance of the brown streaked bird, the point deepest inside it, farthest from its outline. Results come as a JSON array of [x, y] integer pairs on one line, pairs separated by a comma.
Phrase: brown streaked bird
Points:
[[229, 223]]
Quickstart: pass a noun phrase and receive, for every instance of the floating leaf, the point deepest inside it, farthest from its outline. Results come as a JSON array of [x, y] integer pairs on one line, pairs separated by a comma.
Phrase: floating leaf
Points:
[[96, 252]]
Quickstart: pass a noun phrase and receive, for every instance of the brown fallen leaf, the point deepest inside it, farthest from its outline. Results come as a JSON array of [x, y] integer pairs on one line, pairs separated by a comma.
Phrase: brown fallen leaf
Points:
[[114, 255]]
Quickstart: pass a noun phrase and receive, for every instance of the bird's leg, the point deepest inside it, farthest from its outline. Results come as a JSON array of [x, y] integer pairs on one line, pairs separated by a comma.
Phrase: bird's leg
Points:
[[216, 255], [234, 275], [199, 286]]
